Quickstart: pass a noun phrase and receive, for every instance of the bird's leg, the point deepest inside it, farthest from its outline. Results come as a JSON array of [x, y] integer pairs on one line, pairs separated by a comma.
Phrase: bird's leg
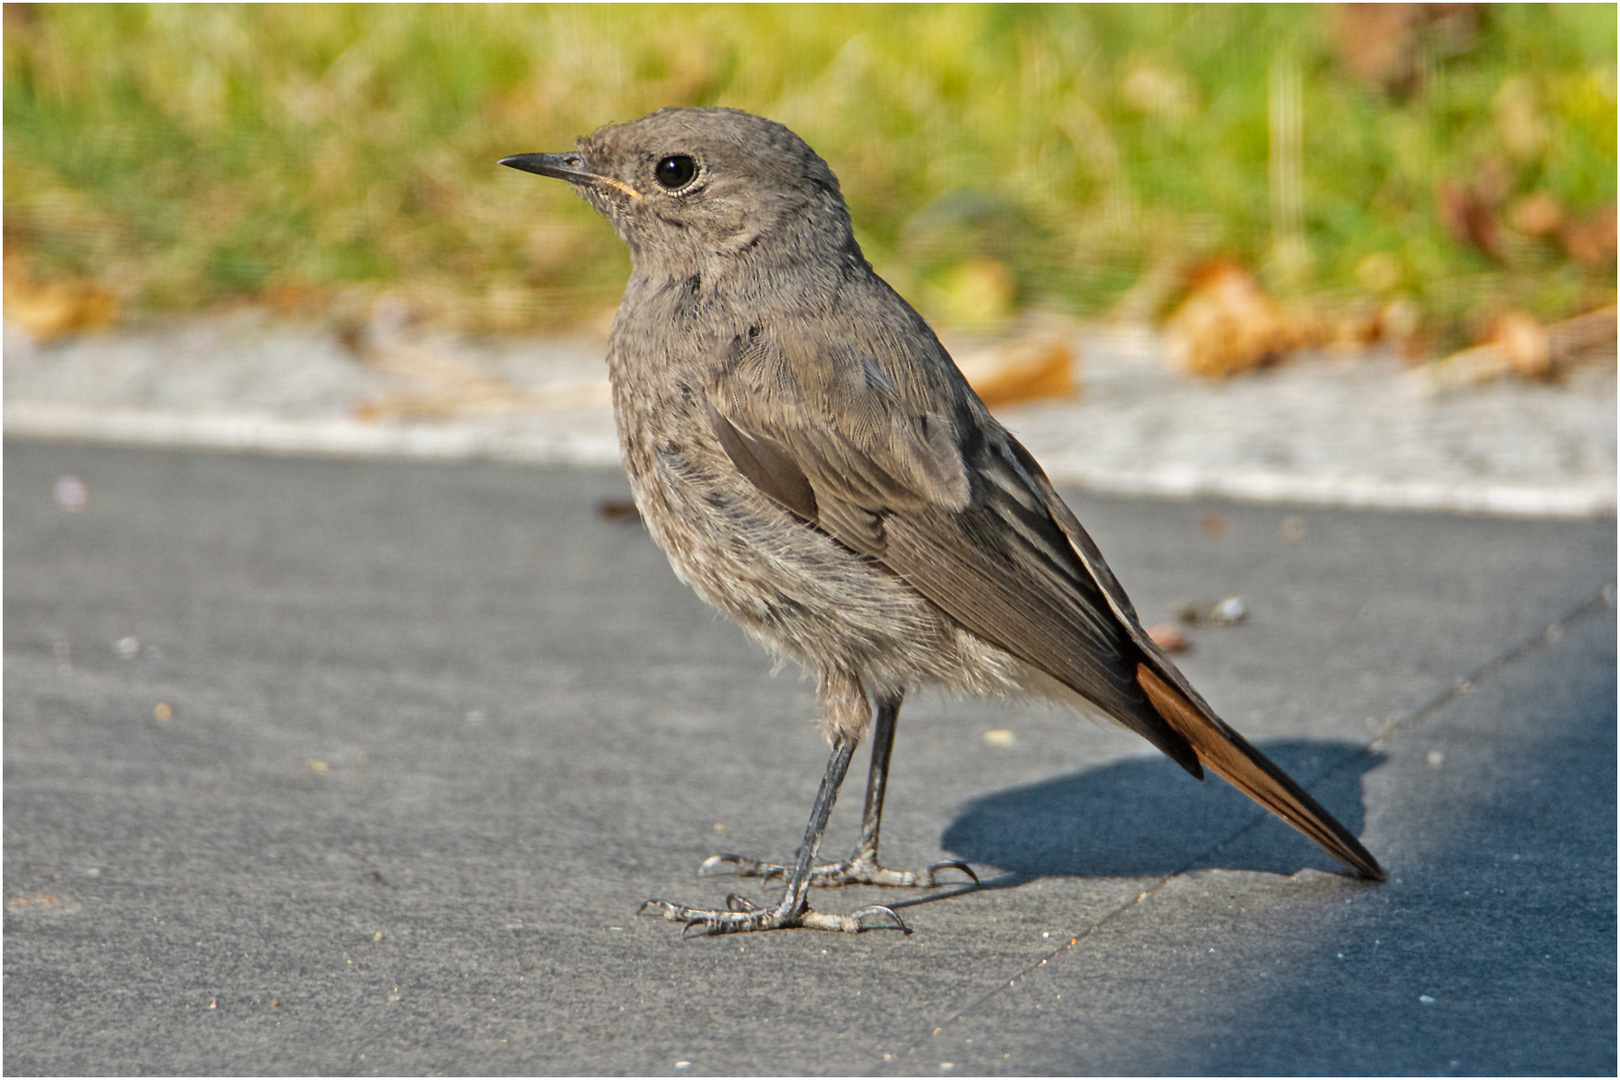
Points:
[[862, 867], [794, 909]]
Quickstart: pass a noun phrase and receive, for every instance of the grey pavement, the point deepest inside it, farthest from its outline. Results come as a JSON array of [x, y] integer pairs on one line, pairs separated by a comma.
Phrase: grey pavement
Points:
[[356, 766]]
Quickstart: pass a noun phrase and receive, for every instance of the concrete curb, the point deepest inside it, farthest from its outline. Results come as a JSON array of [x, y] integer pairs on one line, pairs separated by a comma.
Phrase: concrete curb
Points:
[[587, 438]]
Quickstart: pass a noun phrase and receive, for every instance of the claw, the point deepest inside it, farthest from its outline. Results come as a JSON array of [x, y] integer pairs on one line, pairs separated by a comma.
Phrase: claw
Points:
[[662, 907], [861, 868], [741, 866], [954, 864], [723, 858], [879, 909], [742, 915]]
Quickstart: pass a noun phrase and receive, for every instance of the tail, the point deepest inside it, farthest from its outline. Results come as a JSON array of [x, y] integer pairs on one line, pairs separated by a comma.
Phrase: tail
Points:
[[1231, 757]]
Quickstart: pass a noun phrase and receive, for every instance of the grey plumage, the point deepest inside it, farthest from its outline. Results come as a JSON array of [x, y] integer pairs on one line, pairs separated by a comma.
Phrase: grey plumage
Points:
[[815, 466]]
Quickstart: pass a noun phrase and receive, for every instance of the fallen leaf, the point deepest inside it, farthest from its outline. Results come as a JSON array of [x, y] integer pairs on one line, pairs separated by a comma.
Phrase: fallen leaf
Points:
[[1389, 47], [1519, 345], [1524, 344], [1590, 241], [1169, 637], [55, 309], [43, 904], [1228, 325], [1468, 216], [1025, 368], [1537, 214], [617, 510], [1585, 339]]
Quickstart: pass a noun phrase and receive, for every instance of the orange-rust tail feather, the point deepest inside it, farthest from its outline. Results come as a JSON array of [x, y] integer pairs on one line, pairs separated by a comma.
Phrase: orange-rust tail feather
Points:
[[1231, 757]]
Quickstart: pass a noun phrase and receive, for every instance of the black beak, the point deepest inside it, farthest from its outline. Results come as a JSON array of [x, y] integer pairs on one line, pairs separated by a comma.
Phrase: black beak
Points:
[[569, 166]]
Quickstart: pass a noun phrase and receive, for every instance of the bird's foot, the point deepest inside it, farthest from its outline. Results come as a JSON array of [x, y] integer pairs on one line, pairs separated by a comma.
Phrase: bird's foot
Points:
[[741, 916], [860, 869]]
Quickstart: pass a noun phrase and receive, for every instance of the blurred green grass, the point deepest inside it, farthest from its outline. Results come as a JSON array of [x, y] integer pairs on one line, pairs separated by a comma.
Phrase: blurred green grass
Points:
[[192, 156]]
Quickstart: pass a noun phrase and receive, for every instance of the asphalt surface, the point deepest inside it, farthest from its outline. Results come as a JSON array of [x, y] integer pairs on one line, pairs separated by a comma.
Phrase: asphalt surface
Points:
[[349, 766]]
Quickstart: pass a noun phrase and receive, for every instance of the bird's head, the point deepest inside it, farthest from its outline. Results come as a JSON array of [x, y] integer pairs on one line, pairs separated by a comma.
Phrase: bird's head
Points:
[[688, 188]]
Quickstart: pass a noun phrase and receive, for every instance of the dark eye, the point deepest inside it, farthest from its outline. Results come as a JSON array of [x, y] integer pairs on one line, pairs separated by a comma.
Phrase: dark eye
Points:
[[675, 171]]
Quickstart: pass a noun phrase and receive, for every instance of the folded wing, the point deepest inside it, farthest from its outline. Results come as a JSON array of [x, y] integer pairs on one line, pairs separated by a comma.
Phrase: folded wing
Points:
[[894, 457]]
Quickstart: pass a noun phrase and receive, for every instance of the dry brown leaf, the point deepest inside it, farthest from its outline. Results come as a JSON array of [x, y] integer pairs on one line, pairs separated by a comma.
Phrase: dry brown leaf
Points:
[[1228, 325], [1585, 339], [1519, 345], [1537, 214], [56, 309], [611, 509], [1590, 241], [1469, 215], [1031, 367], [1390, 46], [1523, 344], [1169, 637], [43, 904]]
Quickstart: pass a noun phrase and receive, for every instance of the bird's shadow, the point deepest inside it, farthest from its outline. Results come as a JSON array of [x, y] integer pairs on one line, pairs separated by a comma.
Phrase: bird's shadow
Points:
[[1145, 816]]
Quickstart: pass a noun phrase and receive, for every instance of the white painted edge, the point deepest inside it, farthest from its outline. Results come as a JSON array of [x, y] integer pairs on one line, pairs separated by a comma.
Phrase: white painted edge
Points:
[[347, 437], [335, 437]]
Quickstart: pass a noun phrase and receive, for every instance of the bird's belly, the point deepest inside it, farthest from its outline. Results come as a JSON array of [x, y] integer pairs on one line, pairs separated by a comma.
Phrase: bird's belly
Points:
[[805, 596]]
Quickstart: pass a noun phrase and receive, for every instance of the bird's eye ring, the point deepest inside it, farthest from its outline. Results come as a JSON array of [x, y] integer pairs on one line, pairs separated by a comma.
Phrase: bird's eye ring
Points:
[[675, 171]]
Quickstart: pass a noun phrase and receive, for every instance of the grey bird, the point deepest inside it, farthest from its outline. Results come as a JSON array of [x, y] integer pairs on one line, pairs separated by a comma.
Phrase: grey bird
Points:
[[815, 466]]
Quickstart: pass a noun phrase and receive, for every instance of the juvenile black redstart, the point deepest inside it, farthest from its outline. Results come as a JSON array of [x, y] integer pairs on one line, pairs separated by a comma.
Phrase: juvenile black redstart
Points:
[[815, 466]]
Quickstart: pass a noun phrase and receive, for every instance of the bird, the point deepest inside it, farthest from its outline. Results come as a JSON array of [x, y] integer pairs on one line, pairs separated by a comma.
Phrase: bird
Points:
[[814, 465]]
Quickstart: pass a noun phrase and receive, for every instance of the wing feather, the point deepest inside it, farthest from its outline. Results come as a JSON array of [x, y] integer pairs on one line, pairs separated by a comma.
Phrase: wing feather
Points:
[[889, 482], [894, 457]]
